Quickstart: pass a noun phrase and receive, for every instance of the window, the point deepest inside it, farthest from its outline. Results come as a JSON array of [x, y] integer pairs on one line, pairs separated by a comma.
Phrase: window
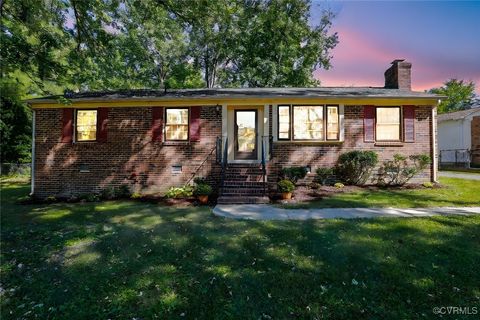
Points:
[[388, 124], [308, 123], [176, 124], [332, 123], [86, 127], [284, 122]]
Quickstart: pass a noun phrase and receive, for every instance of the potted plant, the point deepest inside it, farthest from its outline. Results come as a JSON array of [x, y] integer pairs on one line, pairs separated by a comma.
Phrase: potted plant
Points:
[[286, 188], [202, 191]]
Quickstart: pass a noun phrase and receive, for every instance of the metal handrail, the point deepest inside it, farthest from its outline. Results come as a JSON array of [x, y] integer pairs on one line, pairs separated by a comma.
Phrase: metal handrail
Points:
[[264, 164], [224, 163], [201, 165]]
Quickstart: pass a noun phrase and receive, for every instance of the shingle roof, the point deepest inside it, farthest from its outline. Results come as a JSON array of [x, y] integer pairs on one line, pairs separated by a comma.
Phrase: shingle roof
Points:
[[457, 115], [318, 92]]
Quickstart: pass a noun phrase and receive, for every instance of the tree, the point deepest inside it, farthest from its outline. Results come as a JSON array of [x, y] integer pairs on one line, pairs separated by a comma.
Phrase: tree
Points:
[[459, 94], [15, 125], [279, 46]]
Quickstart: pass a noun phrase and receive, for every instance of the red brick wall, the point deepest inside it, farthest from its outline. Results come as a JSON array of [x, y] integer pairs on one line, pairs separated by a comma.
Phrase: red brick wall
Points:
[[128, 156], [475, 128], [326, 155]]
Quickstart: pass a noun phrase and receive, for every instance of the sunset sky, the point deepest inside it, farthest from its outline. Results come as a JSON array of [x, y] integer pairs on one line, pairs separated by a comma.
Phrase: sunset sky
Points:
[[440, 38]]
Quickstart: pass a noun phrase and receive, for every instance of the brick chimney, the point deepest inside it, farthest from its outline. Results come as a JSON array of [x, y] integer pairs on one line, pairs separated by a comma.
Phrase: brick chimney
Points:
[[398, 76]]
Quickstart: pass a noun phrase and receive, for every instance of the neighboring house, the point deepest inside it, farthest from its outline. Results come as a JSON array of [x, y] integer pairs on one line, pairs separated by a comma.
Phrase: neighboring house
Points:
[[152, 140], [459, 138]]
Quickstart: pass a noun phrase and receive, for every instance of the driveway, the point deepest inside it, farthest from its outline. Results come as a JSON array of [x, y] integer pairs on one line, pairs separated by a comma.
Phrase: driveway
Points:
[[268, 212], [460, 175]]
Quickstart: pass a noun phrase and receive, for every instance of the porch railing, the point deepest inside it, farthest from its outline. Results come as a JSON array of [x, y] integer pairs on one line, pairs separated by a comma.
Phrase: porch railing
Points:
[[224, 162], [265, 160]]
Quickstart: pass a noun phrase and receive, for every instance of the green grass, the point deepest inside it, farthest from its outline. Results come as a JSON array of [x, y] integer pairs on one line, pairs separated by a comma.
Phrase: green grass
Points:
[[125, 260], [462, 170], [455, 193]]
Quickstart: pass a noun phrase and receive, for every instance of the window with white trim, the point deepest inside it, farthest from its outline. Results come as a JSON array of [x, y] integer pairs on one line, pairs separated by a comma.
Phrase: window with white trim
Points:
[[176, 124], [308, 122], [86, 125], [387, 122]]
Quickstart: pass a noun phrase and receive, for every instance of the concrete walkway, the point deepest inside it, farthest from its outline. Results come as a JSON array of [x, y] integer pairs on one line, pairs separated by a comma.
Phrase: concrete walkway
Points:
[[268, 212], [460, 175]]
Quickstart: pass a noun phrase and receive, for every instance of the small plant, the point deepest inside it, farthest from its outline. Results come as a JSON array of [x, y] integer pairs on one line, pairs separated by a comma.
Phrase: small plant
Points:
[[51, 199], [293, 173], [123, 191], [427, 185], [136, 195], [323, 174], [339, 185], [355, 167], [285, 186], [108, 193], [179, 192], [202, 189], [199, 180], [398, 171], [89, 197]]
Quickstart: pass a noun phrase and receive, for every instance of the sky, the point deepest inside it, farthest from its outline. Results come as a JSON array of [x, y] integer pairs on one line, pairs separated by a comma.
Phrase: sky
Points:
[[440, 38]]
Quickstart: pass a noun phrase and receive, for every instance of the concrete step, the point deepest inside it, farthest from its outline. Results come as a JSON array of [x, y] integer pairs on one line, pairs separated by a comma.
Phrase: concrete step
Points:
[[243, 184], [242, 200]]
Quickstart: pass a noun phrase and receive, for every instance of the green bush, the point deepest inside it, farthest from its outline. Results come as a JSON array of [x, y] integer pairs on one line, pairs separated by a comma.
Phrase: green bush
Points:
[[202, 189], [108, 193], [136, 195], [179, 192], [293, 173], [323, 174], [285, 186], [399, 171], [427, 185], [339, 185], [89, 197], [355, 167], [124, 191]]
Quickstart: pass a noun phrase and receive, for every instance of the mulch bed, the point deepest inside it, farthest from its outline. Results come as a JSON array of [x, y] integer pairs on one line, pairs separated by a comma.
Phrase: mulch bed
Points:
[[304, 193]]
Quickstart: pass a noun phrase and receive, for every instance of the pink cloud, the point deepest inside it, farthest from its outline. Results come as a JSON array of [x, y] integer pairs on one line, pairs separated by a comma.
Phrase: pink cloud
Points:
[[361, 61]]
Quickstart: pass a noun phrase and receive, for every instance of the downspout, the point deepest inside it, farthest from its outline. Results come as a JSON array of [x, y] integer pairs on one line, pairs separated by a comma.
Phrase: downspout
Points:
[[32, 169], [434, 143]]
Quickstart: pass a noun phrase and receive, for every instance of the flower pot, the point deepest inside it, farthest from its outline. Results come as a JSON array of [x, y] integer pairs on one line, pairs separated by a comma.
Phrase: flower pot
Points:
[[203, 199], [286, 195]]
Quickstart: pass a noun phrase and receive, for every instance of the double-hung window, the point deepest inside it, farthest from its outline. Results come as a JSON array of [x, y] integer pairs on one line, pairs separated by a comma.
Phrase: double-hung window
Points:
[[86, 125], [388, 124], [308, 123], [176, 124]]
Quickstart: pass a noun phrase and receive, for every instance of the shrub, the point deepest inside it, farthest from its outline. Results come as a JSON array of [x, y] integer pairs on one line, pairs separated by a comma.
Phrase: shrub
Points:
[[124, 191], [51, 199], [136, 195], [398, 171], [427, 185], [89, 197], [355, 167], [339, 185], [293, 173], [179, 192], [203, 189], [323, 174], [285, 186], [199, 180], [108, 193]]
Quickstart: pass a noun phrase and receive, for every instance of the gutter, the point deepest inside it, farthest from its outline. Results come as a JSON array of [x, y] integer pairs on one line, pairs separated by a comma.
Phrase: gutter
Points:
[[32, 169]]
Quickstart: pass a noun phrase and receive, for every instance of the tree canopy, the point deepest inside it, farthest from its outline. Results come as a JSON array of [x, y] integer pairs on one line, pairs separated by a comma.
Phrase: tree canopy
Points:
[[49, 46], [460, 95]]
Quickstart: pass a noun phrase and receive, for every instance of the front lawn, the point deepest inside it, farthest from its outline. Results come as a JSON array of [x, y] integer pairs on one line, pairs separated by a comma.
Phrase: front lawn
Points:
[[126, 260], [454, 193]]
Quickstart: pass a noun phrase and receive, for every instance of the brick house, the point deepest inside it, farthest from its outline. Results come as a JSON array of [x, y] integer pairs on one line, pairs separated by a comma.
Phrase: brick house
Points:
[[152, 140]]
